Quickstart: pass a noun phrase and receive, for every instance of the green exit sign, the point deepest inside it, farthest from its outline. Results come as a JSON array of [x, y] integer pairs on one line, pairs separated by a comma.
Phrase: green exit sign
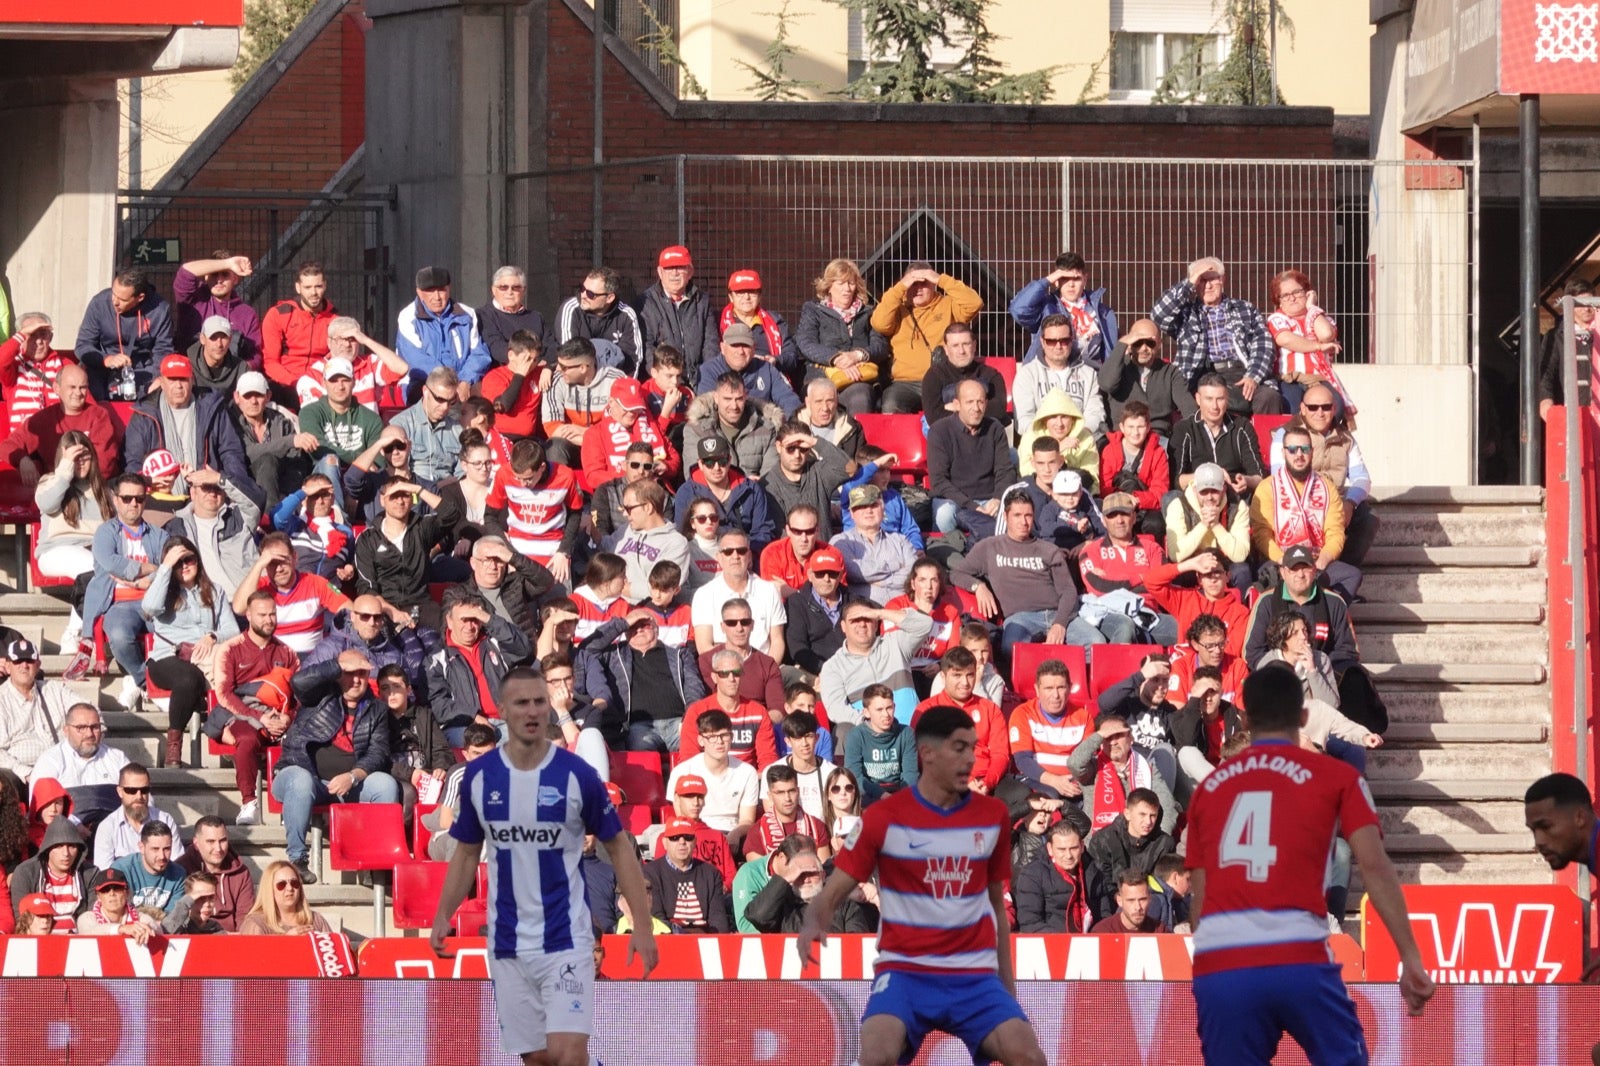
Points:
[[154, 251]]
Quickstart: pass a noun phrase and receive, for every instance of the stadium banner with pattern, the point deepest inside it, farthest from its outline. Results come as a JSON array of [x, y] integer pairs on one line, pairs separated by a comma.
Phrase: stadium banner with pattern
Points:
[[1486, 934], [843, 958], [336, 1023], [312, 955]]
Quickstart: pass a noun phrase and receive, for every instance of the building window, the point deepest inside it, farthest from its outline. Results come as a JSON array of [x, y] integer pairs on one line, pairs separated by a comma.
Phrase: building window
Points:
[[1143, 63]]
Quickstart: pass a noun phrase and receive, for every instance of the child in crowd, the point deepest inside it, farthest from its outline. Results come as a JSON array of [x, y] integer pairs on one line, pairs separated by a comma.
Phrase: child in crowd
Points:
[[1071, 518], [880, 751], [666, 394], [674, 628], [477, 739], [875, 469], [976, 639], [803, 739], [800, 697]]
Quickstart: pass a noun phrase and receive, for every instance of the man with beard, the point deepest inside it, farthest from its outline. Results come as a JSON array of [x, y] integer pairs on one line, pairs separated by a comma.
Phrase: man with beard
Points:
[[796, 879], [252, 676]]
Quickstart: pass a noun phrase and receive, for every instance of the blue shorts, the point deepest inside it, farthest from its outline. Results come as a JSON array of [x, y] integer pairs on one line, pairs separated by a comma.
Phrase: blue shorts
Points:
[[967, 1006], [1244, 1014]]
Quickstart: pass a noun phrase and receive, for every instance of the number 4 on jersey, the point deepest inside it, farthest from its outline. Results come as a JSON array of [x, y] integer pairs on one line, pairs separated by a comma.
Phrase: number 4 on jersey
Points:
[[1246, 836]]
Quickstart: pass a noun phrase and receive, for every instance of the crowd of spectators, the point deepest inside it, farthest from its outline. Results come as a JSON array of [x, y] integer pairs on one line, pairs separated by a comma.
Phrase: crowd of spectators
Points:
[[313, 541]]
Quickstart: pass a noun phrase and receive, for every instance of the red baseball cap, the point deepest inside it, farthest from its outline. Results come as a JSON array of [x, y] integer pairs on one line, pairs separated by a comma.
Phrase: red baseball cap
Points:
[[37, 904], [628, 393], [160, 464], [690, 785], [675, 255], [744, 281], [678, 827], [176, 366], [825, 558]]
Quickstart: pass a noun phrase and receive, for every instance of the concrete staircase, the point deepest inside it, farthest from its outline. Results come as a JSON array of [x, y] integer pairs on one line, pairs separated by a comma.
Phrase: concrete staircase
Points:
[[1454, 630]]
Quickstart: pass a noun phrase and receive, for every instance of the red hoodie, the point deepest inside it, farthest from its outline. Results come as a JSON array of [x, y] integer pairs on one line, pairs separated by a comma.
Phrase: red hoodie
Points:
[[993, 750], [1153, 470], [45, 792], [605, 445]]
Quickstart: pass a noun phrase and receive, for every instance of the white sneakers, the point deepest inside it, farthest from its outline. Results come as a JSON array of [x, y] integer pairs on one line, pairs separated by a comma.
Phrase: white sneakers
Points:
[[249, 814], [72, 634], [130, 695]]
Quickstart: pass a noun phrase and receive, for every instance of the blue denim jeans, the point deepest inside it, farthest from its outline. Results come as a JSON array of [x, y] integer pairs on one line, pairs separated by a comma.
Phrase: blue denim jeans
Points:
[[299, 790], [125, 628]]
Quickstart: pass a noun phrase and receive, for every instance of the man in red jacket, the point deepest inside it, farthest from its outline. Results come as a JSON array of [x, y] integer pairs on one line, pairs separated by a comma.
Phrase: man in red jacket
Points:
[[31, 447], [294, 334], [992, 752], [626, 420], [1213, 596], [1135, 462]]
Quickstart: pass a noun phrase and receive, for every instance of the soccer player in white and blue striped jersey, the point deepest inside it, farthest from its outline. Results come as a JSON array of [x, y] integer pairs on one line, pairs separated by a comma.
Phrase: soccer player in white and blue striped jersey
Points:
[[531, 803]]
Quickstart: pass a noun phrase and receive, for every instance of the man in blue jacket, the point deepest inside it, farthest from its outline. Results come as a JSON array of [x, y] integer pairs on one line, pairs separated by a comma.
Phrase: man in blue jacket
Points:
[[434, 330], [1062, 292], [336, 751], [124, 327], [199, 432]]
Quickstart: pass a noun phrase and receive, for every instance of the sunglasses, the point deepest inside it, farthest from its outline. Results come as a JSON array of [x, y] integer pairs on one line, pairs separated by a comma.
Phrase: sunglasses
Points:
[[584, 290], [713, 462], [510, 288], [640, 466], [135, 498], [281, 885], [727, 673], [841, 789], [704, 518], [436, 398], [1297, 449], [737, 622], [733, 551], [680, 836], [803, 532], [834, 574], [145, 791], [1317, 406], [369, 616], [189, 560], [1055, 342]]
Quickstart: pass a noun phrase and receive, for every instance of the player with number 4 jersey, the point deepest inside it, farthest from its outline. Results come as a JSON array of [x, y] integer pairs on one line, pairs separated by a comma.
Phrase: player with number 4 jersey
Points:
[[1261, 829], [943, 856]]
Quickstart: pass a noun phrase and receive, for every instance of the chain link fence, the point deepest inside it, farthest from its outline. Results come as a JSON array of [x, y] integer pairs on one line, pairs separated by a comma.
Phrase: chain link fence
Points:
[[348, 235], [998, 223]]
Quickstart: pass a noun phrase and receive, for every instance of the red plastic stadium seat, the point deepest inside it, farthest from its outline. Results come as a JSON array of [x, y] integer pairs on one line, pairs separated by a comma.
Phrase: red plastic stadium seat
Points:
[[1112, 663], [40, 581], [1266, 426], [417, 888], [420, 835], [636, 817], [1006, 367], [902, 435], [1025, 660], [366, 836], [638, 774], [120, 411]]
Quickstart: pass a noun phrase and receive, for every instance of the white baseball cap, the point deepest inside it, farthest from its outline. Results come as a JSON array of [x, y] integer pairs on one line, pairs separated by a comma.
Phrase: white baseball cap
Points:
[[252, 383]]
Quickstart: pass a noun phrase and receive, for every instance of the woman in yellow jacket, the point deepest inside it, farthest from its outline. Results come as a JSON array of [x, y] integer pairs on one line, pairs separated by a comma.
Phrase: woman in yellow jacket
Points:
[[913, 315], [1059, 416]]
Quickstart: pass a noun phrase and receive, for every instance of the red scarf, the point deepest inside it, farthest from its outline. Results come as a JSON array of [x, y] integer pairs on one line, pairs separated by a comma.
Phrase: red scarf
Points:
[[1110, 796], [1302, 514], [764, 319], [1078, 917]]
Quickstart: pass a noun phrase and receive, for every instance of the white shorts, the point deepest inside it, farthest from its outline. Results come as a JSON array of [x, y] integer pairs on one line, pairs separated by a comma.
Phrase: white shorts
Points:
[[542, 994]]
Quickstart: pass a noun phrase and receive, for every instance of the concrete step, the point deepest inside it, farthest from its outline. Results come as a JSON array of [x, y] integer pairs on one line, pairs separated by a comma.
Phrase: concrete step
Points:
[[1482, 703], [1491, 585], [1438, 765], [1404, 614], [1454, 644], [1429, 844], [1414, 557], [1437, 497], [1457, 869], [1457, 673], [1434, 734], [1446, 818], [1390, 790], [1471, 528]]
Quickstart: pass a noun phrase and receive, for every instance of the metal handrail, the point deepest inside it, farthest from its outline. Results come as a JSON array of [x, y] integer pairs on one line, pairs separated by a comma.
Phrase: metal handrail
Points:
[[1576, 537]]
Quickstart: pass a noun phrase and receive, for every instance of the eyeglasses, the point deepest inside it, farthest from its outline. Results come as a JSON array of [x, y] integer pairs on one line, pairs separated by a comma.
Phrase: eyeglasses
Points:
[[281, 885], [641, 466], [840, 789], [477, 462], [737, 622], [137, 497], [680, 836], [728, 673], [510, 288], [733, 551], [143, 791], [1215, 645], [629, 508], [1287, 293], [719, 737], [803, 532], [1317, 406], [96, 728], [493, 560], [1297, 449], [564, 680], [1055, 342]]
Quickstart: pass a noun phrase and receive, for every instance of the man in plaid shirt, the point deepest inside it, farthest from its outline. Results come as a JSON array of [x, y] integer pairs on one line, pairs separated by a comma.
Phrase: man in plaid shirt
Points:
[[1222, 334]]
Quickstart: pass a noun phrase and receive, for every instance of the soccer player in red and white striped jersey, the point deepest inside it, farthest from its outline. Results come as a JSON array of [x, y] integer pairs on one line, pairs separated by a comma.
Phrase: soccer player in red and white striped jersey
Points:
[[538, 506], [1261, 828], [942, 854]]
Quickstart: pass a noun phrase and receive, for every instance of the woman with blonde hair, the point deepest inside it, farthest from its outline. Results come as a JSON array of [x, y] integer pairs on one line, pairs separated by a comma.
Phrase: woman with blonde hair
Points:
[[836, 338], [281, 908], [73, 500]]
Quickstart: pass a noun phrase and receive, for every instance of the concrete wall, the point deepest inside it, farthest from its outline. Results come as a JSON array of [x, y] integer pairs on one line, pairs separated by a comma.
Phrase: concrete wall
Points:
[[1416, 423], [176, 110]]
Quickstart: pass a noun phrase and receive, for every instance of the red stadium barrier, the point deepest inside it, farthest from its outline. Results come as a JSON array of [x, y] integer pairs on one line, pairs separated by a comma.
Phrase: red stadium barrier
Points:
[[843, 958], [56, 1022], [313, 955], [1484, 934]]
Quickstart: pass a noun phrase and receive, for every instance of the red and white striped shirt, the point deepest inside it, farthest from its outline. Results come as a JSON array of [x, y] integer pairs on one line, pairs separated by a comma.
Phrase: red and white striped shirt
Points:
[[536, 517], [1050, 741], [132, 548], [371, 374], [934, 868], [594, 612], [29, 387], [675, 629], [1315, 364], [301, 610]]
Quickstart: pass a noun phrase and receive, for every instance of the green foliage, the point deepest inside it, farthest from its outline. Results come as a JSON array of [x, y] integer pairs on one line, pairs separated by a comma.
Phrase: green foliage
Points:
[[662, 40], [1092, 91], [1245, 76], [773, 81], [901, 37], [267, 24]]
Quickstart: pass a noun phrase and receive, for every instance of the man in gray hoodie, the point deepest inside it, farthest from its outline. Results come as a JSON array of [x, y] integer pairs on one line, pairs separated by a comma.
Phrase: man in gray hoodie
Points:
[[868, 658], [59, 871], [221, 520], [648, 537]]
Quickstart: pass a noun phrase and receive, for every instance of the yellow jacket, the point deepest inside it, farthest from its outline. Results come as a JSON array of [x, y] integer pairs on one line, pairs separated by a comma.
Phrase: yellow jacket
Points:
[[1187, 538], [1264, 521], [914, 332], [1078, 449]]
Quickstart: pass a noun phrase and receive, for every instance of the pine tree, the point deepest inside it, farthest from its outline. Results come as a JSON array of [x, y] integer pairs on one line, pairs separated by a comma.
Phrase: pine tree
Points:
[[662, 40], [901, 38], [267, 24], [773, 81], [1245, 75]]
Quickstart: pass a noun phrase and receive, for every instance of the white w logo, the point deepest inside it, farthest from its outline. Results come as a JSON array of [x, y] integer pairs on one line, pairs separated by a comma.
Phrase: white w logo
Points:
[[946, 876]]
